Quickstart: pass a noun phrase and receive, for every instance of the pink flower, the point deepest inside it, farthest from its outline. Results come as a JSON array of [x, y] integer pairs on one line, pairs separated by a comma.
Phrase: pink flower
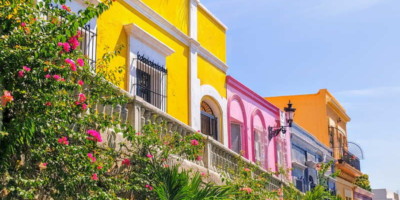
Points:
[[21, 73], [6, 98], [149, 156], [84, 106], [246, 189], [80, 82], [47, 76], [203, 174], [246, 169], [47, 103], [66, 47], [42, 166], [126, 162], [138, 133], [73, 41], [26, 68], [90, 155], [69, 61], [94, 177], [63, 140], [56, 77], [94, 136], [198, 158], [73, 67], [82, 97], [194, 142], [23, 24], [149, 187], [198, 131], [80, 62], [99, 167], [59, 44], [66, 8]]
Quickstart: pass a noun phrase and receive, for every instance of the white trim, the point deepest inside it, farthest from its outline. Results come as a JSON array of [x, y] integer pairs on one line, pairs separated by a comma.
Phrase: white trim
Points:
[[213, 16], [175, 32], [140, 34], [193, 19], [212, 59]]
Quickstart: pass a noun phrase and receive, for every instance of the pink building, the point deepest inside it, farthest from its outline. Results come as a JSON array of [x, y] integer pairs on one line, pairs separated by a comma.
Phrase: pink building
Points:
[[249, 116]]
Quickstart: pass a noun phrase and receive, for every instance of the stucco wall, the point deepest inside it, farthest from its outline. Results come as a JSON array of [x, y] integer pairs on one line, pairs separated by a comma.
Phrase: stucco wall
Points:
[[253, 112], [111, 33], [211, 75], [211, 35]]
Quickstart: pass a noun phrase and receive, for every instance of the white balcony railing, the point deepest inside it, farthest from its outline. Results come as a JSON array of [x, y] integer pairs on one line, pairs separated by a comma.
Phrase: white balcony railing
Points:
[[217, 157]]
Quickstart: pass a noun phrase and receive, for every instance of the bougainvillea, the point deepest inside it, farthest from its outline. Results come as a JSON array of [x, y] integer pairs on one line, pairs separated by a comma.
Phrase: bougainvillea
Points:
[[51, 144]]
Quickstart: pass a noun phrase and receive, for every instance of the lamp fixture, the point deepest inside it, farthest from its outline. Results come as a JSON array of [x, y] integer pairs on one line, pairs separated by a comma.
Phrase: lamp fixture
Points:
[[289, 114]]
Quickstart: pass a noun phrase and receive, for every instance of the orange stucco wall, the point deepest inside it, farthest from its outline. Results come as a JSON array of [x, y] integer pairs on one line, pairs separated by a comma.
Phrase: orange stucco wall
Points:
[[311, 112]]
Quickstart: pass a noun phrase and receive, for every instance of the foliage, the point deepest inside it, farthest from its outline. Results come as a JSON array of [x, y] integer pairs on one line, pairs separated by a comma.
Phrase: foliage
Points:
[[50, 141], [363, 182], [175, 185], [321, 191]]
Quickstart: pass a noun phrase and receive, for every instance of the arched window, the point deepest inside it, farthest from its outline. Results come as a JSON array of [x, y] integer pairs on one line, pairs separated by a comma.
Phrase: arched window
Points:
[[209, 121]]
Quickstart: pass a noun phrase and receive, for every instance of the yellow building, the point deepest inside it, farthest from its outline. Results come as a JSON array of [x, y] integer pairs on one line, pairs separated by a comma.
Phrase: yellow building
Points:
[[322, 115], [173, 56]]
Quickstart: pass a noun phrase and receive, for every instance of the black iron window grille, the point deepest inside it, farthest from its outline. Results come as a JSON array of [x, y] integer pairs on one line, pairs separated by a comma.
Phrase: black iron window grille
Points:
[[87, 45], [87, 42], [350, 159], [150, 82]]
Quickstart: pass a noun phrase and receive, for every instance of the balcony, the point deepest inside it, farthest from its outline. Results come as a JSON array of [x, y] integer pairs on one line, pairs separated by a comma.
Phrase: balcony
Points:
[[350, 159], [217, 158]]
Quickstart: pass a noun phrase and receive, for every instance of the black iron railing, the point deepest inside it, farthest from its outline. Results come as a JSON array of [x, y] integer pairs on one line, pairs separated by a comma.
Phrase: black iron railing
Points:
[[87, 42], [87, 45], [350, 159], [150, 82]]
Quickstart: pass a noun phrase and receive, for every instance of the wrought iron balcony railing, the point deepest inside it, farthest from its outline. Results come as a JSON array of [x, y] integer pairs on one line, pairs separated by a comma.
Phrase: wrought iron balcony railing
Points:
[[350, 159]]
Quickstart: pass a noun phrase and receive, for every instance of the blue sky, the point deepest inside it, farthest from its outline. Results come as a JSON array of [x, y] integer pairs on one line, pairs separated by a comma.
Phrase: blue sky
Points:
[[350, 47]]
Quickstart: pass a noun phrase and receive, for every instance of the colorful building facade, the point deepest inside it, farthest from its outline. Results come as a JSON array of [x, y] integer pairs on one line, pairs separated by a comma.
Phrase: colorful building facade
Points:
[[249, 116], [307, 152], [326, 119], [172, 54]]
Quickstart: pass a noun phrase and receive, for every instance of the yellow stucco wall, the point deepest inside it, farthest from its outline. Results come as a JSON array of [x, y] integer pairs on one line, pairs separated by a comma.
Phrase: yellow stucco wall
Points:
[[310, 113], [211, 35], [175, 11], [211, 75], [111, 33]]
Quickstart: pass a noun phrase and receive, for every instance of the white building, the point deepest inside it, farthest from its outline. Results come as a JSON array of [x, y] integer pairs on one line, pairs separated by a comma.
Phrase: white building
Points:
[[384, 194]]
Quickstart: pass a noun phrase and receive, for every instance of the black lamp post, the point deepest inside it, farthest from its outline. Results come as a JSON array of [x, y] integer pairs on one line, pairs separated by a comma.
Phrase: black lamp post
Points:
[[289, 114]]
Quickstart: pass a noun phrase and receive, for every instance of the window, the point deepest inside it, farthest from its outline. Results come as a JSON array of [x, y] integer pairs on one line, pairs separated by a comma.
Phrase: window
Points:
[[150, 81], [209, 122], [87, 45], [147, 67], [236, 140], [258, 147], [331, 138]]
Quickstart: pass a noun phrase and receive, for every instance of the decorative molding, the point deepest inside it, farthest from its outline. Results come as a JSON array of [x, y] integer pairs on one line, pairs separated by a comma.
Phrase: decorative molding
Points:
[[148, 39], [251, 94], [175, 32], [213, 59], [213, 16]]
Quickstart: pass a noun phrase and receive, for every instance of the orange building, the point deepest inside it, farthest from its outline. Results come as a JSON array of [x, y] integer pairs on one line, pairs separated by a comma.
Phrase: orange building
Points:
[[322, 115]]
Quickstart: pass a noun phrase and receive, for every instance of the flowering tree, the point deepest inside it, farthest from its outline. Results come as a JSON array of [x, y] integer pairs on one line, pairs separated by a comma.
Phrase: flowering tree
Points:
[[50, 141]]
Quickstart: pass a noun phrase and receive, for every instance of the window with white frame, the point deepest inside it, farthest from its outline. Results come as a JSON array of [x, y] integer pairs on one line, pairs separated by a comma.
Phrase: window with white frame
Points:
[[147, 67], [258, 147], [236, 137]]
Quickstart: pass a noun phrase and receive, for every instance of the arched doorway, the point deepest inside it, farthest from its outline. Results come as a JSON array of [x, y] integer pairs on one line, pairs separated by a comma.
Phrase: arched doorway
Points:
[[209, 120]]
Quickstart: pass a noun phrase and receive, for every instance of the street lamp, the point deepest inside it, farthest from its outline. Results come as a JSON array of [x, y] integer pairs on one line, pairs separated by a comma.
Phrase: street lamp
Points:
[[289, 114]]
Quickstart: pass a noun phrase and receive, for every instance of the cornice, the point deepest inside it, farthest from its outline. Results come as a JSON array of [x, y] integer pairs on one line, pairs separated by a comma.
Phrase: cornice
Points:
[[251, 94], [213, 16], [175, 32]]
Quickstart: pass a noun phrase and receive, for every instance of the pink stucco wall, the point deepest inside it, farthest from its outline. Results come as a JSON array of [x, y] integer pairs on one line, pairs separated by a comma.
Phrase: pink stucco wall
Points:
[[252, 112]]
